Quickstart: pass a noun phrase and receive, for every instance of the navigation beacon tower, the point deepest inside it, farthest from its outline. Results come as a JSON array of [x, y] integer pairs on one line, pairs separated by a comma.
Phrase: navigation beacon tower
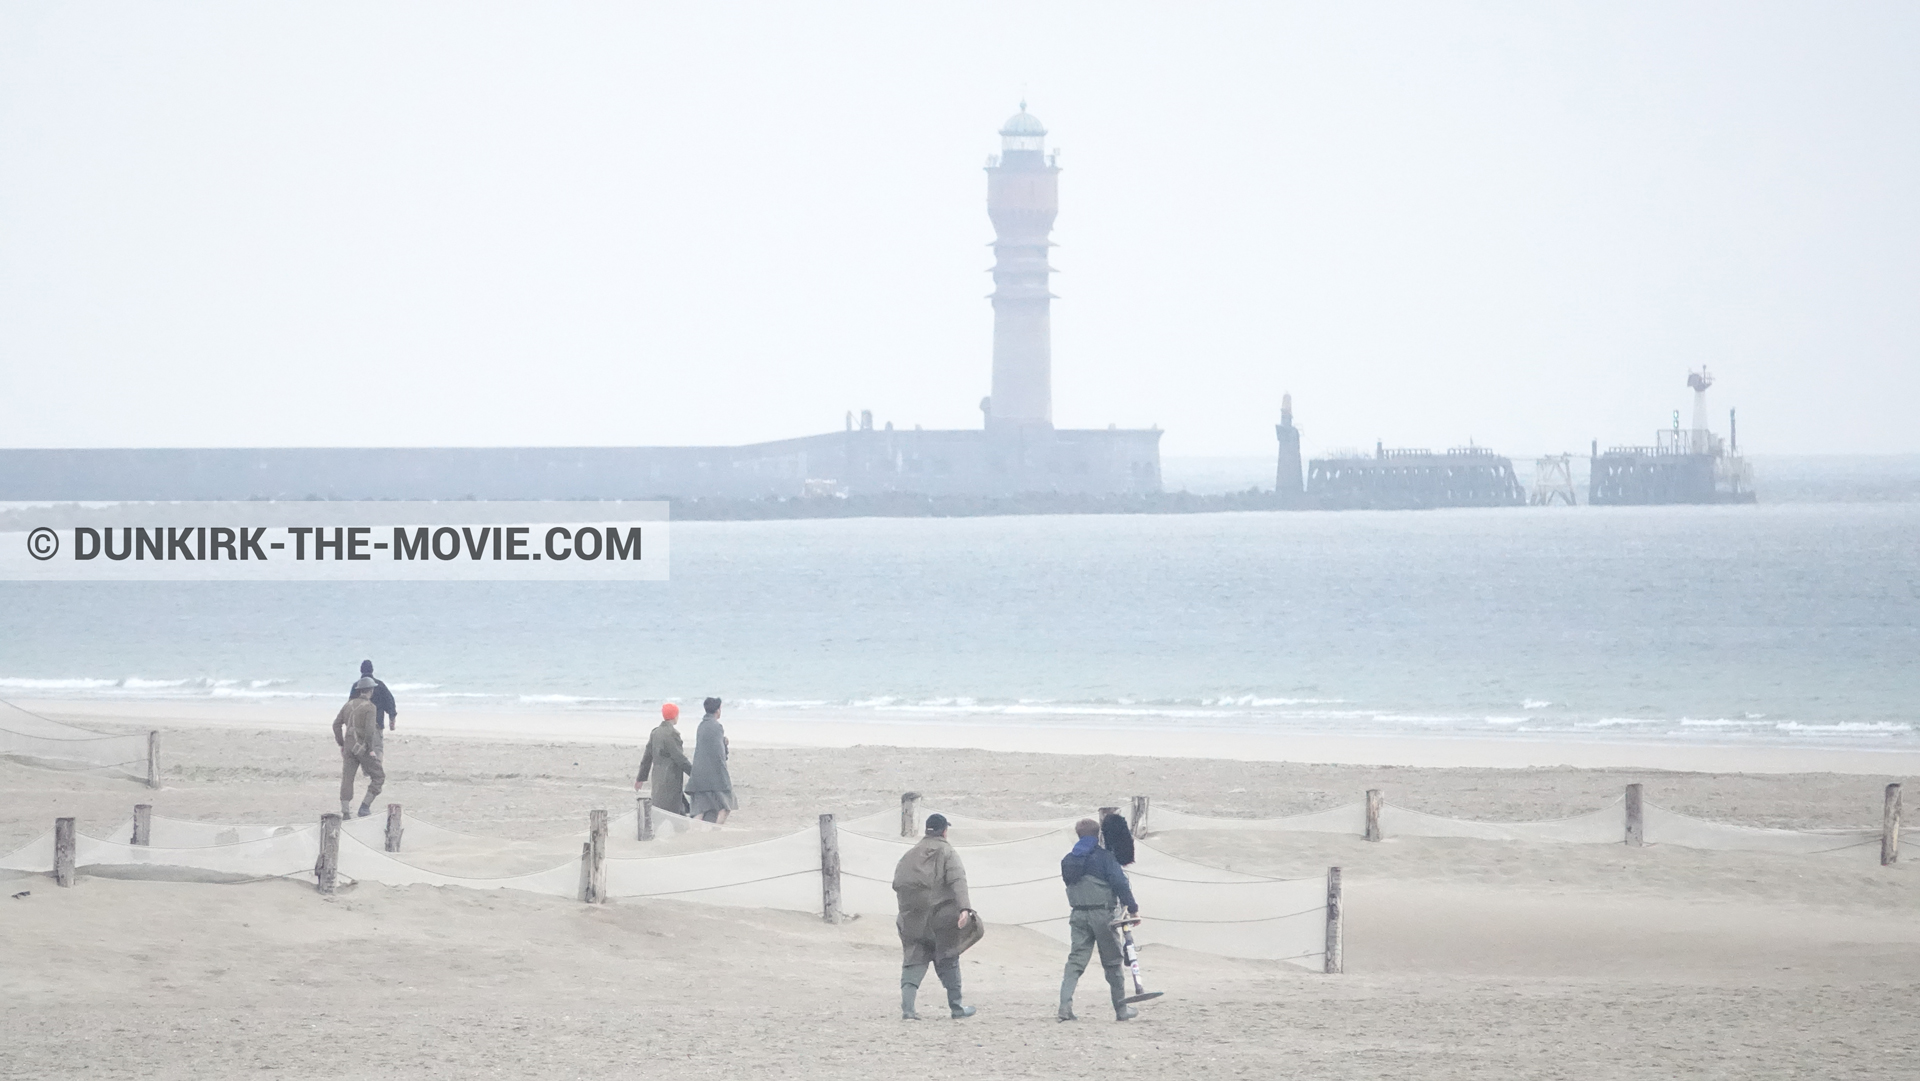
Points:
[[1288, 490], [1023, 195]]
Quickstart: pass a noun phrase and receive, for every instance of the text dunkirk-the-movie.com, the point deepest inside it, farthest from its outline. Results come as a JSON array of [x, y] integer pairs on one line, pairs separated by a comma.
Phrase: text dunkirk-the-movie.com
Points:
[[335, 541]]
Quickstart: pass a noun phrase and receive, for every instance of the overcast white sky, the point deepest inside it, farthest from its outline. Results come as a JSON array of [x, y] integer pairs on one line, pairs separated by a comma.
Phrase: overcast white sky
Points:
[[470, 224]]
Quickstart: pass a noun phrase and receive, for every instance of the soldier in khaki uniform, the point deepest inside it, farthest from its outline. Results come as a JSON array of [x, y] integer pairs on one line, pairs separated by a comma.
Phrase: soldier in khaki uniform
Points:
[[356, 728], [935, 917]]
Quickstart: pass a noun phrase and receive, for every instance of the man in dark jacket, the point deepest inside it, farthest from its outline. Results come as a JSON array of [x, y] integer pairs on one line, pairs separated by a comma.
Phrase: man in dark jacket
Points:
[[387, 715], [1094, 882]]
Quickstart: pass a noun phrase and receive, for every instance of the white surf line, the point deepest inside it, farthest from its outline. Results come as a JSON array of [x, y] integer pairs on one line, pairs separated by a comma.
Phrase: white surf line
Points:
[[1029, 734]]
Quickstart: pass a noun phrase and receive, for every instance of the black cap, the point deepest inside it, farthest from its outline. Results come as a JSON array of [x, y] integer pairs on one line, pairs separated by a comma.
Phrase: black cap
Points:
[[936, 824], [366, 668]]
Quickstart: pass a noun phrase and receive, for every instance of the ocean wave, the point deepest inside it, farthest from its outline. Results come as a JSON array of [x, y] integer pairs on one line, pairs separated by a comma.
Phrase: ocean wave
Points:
[[1423, 720], [16, 683], [1056, 709], [961, 704], [1052, 709], [1844, 726], [143, 687], [261, 693], [1239, 712], [125, 686], [1258, 702]]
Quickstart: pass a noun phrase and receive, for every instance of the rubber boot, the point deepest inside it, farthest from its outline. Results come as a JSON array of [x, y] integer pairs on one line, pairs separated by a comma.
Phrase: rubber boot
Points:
[[366, 809], [346, 808], [949, 973], [1117, 983], [910, 977], [1068, 981]]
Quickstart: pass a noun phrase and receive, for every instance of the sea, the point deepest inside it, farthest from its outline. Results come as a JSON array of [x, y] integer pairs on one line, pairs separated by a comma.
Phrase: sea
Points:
[[1778, 624]]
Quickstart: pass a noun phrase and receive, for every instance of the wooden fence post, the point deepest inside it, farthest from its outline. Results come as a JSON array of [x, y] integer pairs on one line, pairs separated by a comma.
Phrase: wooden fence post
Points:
[[1636, 821], [646, 818], [153, 759], [829, 869], [1373, 814], [597, 841], [1890, 828], [909, 814], [142, 824], [394, 827], [1141, 805], [63, 851], [1336, 916], [326, 872], [586, 872]]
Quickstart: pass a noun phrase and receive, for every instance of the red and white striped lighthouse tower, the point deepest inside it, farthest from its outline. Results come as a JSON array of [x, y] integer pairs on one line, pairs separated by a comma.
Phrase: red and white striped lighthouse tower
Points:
[[1023, 195]]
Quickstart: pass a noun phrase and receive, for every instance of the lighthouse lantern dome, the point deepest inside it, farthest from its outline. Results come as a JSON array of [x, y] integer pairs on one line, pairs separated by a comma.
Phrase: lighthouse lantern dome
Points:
[[1023, 131]]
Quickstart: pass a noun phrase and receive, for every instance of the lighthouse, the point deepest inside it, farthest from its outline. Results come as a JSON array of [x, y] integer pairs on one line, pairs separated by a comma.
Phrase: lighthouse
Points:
[[1018, 453], [1023, 195], [1287, 488]]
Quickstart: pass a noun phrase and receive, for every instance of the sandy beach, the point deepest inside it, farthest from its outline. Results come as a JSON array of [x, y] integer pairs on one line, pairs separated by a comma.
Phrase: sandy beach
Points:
[[1460, 520], [1464, 958]]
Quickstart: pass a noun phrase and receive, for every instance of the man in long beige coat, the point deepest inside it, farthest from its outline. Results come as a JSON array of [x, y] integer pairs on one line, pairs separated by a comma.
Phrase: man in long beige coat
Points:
[[934, 914], [356, 728]]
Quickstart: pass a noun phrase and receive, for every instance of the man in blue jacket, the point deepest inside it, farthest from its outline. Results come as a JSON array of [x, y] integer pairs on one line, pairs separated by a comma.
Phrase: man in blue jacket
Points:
[[1094, 882]]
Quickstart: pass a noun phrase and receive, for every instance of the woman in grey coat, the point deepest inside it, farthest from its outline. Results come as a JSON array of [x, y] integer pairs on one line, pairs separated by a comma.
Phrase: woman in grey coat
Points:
[[710, 786]]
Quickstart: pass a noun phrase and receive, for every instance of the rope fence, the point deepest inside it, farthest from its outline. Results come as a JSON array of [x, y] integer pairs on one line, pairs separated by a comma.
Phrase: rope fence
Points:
[[1630, 820], [828, 873], [851, 864]]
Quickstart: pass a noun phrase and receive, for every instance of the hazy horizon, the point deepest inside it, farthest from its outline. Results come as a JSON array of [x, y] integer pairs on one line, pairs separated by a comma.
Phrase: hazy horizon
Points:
[[438, 225]]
